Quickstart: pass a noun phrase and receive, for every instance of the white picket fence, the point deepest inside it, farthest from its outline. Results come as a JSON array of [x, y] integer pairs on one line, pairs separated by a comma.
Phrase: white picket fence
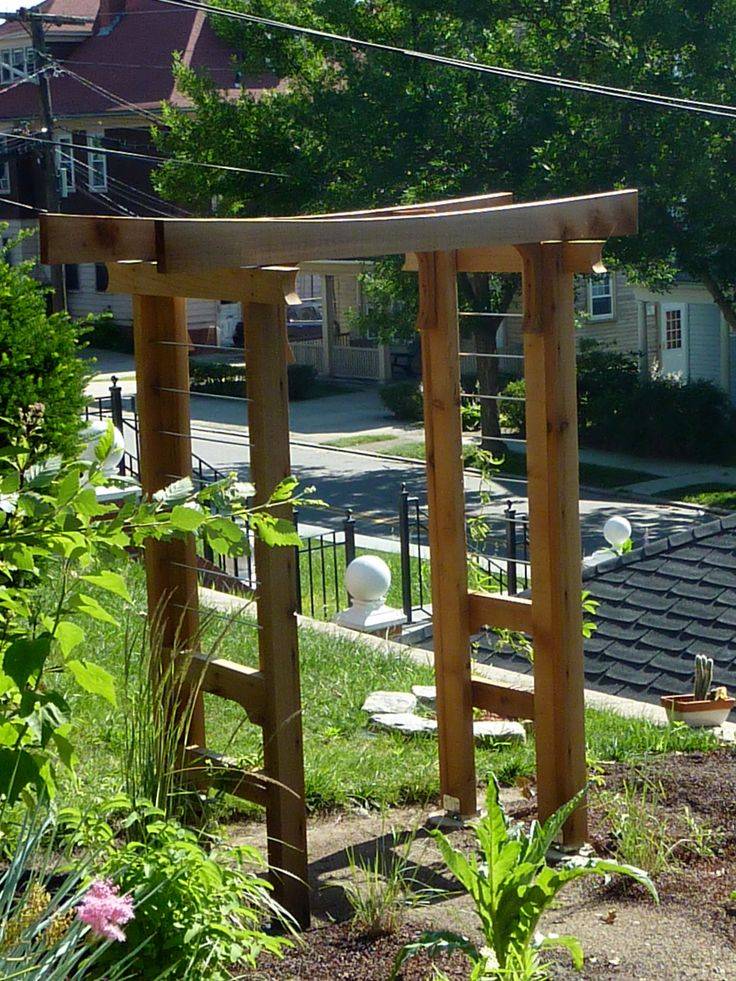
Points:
[[368, 363]]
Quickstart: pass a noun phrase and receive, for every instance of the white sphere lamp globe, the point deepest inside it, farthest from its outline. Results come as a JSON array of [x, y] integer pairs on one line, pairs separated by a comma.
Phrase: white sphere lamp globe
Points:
[[91, 435], [617, 531], [368, 579]]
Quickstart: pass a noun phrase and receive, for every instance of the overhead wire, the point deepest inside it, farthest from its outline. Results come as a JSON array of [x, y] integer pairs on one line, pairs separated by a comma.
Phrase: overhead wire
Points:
[[592, 88]]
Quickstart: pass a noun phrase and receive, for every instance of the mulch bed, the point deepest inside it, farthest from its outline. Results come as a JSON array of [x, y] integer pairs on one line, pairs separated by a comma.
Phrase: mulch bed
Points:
[[700, 888]]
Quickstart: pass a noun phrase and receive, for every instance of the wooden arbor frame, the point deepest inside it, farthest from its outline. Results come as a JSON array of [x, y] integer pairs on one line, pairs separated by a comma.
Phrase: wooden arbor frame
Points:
[[160, 261]]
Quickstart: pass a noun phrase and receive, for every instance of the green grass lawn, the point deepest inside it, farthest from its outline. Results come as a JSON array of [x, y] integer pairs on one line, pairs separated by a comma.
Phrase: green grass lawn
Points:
[[707, 495], [346, 763], [514, 464], [362, 439]]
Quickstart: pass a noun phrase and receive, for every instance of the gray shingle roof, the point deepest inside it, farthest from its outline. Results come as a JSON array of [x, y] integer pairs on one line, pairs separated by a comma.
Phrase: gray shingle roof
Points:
[[659, 606]]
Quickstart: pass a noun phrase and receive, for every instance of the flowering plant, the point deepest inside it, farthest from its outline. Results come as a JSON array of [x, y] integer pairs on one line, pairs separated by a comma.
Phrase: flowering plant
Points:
[[105, 911]]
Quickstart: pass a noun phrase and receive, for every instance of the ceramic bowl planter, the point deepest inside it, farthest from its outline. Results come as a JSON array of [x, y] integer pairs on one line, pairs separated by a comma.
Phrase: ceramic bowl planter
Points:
[[697, 712]]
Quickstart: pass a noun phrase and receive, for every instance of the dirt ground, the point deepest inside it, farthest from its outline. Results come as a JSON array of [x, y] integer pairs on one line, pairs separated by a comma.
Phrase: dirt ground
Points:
[[690, 935]]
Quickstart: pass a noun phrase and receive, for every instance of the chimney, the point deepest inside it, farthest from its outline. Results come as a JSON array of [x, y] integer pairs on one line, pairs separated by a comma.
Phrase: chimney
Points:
[[106, 14]]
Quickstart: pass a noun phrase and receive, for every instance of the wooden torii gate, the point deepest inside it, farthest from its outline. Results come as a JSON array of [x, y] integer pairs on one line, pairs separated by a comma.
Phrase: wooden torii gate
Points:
[[162, 261]]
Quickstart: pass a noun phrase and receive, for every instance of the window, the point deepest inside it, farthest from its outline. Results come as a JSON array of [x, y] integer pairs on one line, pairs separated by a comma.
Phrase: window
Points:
[[600, 297], [97, 163], [101, 279], [4, 167], [65, 164], [71, 277], [673, 329], [16, 63]]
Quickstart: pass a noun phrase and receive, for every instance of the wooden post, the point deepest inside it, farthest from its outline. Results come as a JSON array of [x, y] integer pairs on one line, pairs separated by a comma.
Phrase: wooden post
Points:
[[268, 423], [554, 533], [164, 456], [438, 322]]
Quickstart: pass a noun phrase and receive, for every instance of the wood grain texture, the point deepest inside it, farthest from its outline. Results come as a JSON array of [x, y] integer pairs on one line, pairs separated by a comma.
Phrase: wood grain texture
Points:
[[579, 257], [505, 612], [438, 323], [235, 682], [554, 535], [283, 749], [255, 285], [511, 703], [171, 576]]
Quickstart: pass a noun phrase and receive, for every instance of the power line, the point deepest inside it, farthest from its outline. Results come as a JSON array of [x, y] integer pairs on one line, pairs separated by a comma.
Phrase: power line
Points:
[[149, 156], [20, 204], [117, 99], [590, 88]]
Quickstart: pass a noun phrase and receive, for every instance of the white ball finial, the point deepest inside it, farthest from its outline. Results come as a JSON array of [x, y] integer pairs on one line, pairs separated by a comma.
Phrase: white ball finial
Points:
[[368, 579], [92, 433], [617, 531]]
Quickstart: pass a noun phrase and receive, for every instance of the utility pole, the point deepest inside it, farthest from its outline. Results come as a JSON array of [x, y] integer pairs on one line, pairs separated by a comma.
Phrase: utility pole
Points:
[[33, 21]]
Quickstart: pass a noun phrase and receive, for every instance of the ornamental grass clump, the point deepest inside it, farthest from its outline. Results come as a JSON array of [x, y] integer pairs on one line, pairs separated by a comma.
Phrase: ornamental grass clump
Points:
[[512, 885]]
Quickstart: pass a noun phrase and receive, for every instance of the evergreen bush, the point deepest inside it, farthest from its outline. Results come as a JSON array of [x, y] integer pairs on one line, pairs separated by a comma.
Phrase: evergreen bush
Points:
[[39, 360]]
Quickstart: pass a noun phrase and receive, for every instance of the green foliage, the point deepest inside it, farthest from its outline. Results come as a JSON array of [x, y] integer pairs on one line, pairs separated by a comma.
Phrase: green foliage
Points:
[[511, 886], [40, 888], [197, 912], [221, 378], [403, 399], [513, 415], [649, 835], [39, 360], [51, 533], [381, 888], [105, 334], [660, 416]]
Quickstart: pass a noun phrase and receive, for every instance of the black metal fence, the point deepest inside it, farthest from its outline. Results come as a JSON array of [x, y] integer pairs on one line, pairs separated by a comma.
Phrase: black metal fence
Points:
[[499, 562]]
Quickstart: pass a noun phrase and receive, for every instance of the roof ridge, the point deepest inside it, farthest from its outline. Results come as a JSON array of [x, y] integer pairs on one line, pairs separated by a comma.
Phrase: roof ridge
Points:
[[660, 545]]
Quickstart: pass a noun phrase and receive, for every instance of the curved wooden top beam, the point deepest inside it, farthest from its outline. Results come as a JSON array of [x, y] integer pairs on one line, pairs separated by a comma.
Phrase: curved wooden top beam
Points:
[[183, 245]]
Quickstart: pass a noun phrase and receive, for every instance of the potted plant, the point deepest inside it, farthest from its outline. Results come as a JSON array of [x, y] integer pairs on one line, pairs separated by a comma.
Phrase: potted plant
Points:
[[707, 706]]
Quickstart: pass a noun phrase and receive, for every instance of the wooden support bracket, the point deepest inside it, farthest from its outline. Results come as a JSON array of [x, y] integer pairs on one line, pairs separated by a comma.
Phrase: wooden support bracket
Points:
[[504, 612], [207, 769], [578, 257], [512, 703], [232, 681], [250, 285]]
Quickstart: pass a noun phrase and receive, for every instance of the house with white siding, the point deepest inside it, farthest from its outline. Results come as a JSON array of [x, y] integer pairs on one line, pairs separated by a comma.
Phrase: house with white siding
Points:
[[681, 332]]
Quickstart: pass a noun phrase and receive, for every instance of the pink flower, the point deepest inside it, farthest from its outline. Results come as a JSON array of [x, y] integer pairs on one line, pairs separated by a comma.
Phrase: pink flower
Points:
[[104, 911]]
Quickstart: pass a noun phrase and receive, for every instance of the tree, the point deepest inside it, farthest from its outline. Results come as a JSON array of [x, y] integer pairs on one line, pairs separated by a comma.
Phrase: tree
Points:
[[39, 360], [355, 128]]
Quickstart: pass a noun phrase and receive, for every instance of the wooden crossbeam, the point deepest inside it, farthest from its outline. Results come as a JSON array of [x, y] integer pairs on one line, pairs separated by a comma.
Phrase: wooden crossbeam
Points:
[[504, 612], [512, 703], [205, 768], [232, 681], [578, 257], [186, 244], [252, 285], [182, 244]]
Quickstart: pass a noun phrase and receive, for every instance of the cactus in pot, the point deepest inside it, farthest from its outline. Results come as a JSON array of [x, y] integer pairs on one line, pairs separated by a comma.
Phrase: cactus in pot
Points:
[[703, 677]]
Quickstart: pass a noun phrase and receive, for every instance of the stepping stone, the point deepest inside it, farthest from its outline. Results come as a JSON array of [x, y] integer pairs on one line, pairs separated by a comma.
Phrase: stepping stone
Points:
[[389, 702], [426, 695], [404, 722], [499, 730]]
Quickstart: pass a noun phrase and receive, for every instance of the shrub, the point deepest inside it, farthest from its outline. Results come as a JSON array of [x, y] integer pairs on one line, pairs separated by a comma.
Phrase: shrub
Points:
[[109, 336], [197, 914], [512, 414], [607, 381], [404, 400], [302, 381], [221, 378], [39, 360]]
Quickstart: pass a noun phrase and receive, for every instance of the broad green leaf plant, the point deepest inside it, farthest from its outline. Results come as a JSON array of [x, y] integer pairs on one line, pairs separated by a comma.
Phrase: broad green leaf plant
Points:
[[55, 532], [512, 885]]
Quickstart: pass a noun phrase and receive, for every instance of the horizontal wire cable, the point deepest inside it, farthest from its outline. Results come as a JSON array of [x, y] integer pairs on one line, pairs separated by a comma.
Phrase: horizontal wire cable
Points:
[[205, 395], [20, 204], [491, 398], [498, 439], [208, 611], [213, 572], [482, 354], [488, 313], [555, 81], [147, 156], [208, 347]]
